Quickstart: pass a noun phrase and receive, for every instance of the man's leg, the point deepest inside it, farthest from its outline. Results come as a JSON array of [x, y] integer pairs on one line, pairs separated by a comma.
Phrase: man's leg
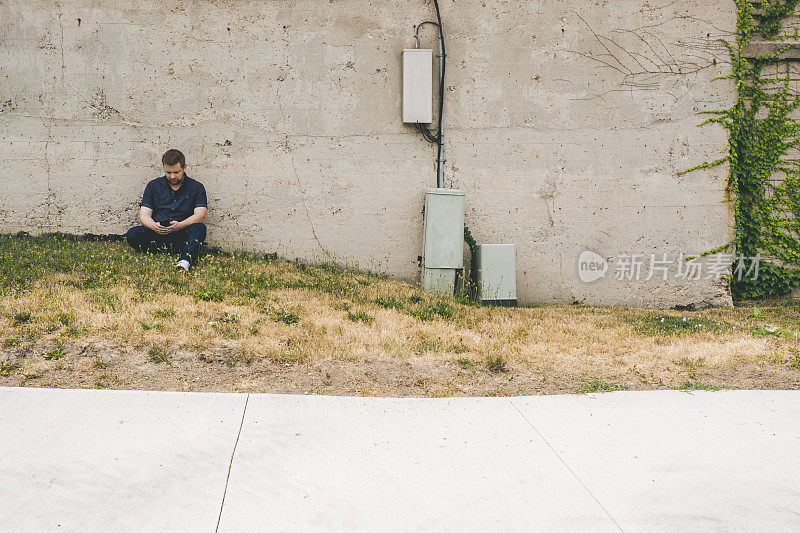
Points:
[[143, 239], [194, 235]]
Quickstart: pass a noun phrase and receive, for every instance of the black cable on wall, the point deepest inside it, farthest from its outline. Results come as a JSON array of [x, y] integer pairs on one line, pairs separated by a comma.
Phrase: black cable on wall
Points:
[[431, 136]]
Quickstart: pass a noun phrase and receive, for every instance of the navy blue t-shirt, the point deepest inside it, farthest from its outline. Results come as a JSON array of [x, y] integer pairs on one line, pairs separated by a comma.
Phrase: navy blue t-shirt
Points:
[[174, 205]]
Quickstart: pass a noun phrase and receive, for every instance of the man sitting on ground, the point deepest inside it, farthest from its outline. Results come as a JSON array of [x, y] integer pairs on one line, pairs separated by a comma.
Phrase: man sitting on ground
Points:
[[172, 212]]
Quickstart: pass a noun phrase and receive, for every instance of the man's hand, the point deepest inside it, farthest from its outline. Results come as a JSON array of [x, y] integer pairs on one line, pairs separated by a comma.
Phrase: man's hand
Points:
[[161, 230], [174, 225], [146, 216]]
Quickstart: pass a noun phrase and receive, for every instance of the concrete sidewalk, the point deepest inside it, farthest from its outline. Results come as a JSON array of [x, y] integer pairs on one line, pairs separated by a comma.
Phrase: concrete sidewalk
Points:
[[86, 460]]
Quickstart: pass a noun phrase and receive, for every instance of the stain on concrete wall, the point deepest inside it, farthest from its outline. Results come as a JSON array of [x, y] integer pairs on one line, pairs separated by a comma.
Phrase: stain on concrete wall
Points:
[[567, 124]]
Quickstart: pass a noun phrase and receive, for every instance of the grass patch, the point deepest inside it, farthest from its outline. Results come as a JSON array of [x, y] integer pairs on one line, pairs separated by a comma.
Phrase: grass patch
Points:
[[697, 385], [110, 302], [496, 364], [22, 317], [599, 385], [74, 330], [227, 331], [459, 347], [389, 302], [147, 325], [7, 367], [466, 363], [360, 316], [210, 293], [434, 311], [57, 352], [65, 319], [427, 346], [655, 325], [285, 317], [229, 318], [63, 282], [768, 330], [165, 313], [157, 354], [11, 341]]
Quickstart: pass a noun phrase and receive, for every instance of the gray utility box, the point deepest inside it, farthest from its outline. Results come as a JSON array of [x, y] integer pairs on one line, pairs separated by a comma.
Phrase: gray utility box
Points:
[[442, 239], [497, 273], [418, 86]]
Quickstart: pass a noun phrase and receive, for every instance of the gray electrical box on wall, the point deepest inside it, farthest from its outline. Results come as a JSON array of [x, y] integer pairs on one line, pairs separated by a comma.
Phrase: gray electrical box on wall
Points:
[[442, 239], [418, 86], [497, 273]]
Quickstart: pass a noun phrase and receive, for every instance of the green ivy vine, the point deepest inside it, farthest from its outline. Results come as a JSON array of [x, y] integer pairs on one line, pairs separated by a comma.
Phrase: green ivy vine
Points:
[[470, 291], [764, 139]]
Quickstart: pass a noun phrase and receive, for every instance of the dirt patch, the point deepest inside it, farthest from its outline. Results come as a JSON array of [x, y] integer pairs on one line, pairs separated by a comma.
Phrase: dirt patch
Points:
[[101, 364]]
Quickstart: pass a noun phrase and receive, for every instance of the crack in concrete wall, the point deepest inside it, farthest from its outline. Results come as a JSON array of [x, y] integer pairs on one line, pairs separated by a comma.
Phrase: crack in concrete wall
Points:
[[305, 208]]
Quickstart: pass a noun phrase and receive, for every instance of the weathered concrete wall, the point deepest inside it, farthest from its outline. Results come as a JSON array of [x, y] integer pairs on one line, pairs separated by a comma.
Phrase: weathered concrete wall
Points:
[[567, 124]]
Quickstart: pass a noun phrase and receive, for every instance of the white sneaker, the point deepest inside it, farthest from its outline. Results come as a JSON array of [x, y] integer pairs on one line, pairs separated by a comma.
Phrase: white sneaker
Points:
[[184, 264]]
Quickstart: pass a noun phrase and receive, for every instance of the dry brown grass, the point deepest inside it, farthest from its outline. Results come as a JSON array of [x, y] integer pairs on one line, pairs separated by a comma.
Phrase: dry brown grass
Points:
[[249, 340]]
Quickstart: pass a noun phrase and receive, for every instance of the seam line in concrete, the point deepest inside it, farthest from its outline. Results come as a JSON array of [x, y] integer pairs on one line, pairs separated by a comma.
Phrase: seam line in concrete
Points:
[[571, 471], [230, 465]]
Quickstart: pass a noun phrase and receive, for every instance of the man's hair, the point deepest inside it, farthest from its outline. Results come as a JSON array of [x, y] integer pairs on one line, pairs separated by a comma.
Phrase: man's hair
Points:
[[173, 157]]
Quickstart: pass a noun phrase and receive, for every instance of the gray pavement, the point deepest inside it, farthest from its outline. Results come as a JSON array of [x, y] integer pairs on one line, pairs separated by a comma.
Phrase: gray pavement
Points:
[[86, 460]]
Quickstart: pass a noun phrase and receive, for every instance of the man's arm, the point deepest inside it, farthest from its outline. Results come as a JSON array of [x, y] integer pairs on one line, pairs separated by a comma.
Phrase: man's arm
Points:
[[146, 218], [198, 216]]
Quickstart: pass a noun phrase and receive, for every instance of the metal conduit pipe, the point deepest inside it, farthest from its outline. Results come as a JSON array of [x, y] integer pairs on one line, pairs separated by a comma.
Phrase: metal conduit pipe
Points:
[[438, 136]]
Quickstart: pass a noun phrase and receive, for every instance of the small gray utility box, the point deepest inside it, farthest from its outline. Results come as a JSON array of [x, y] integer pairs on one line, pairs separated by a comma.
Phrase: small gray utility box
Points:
[[497, 273]]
